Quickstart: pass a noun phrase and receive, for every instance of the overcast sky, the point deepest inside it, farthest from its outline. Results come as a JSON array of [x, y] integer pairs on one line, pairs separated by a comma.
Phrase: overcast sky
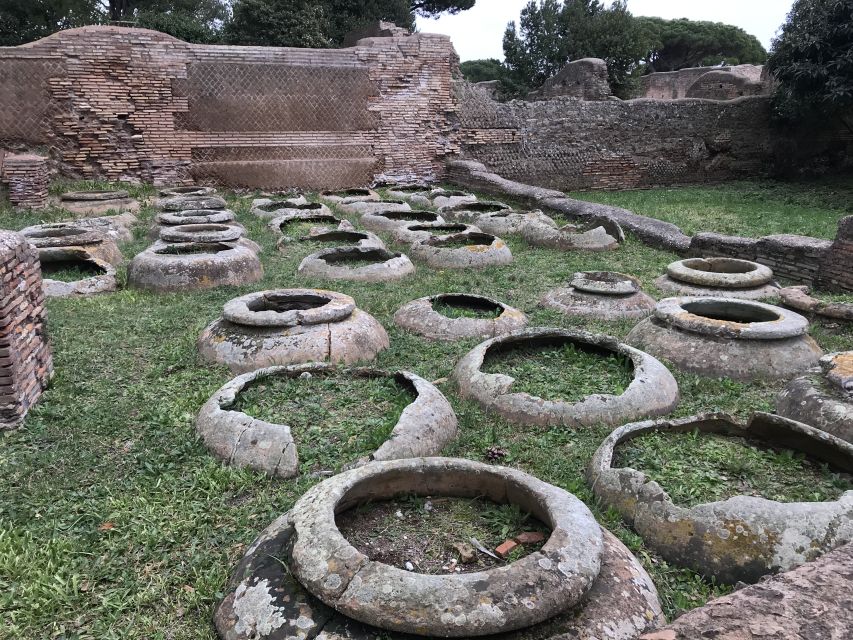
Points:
[[478, 32]]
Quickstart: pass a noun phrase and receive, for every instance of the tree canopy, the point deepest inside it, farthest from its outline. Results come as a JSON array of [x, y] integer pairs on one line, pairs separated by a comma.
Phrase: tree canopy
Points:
[[296, 23], [676, 44], [552, 33], [812, 60]]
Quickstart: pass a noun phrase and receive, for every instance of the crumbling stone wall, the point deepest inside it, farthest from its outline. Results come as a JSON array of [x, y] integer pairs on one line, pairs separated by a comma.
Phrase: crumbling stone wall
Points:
[[585, 79], [25, 360], [133, 104], [569, 144], [27, 178], [836, 268], [672, 85]]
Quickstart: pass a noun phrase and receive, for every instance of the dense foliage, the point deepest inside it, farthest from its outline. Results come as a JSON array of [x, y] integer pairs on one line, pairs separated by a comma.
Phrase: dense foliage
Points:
[[676, 44], [298, 23], [813, 61], [551, 33]]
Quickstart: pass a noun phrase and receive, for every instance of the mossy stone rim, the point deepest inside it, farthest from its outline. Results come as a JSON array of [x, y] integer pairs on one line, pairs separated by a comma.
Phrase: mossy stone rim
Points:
[[318, 306]]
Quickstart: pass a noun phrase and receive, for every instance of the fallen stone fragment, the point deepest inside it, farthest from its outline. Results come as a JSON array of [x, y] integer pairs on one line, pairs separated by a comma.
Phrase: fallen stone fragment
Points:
[[505, 548], [600, 234], [90, 240], [798, 298], [530, 537], [104, 281], [466, 552], [811, 602]]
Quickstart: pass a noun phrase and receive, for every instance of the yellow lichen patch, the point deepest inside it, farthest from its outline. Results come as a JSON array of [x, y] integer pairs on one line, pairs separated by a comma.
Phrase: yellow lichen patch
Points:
[[477, 248], [842, 364]]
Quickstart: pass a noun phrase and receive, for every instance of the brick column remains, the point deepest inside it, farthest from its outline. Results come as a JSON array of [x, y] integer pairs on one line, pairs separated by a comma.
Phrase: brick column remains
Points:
[[25, 361], [28, 178], [836, 268]]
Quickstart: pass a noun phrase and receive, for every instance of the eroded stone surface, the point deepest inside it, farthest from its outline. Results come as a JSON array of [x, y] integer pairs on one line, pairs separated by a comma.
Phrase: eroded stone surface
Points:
[[354, 263], [652, 392], [604, 295], [419, 316], [265, 600], [391, 220], [468, 211], [273, 209], [182, 203], [362, 207], [798, 298], [466, 250], [350, 195], [207, 232], [744, 537], [509, 597], [739, 339], [104, 282], [502, 223], [97, 203], [187, 190], [823, 397], [440, 198], [192, 265], [727, 273], [90, 240], [424, 428], [116, 228], [344, 236], [597, 235], [417, 231], [812, 601], [291, 326]]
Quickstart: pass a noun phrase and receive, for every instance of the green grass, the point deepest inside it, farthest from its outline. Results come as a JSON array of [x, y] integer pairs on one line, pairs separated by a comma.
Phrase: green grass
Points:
[[747, 208], [70, 270], [695, 468], [334, 419], [116, 522], [455, 308], [565, 372]]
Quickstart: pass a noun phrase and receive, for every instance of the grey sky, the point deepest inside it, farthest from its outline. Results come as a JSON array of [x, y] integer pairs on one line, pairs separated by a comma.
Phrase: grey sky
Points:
[[478, 33]]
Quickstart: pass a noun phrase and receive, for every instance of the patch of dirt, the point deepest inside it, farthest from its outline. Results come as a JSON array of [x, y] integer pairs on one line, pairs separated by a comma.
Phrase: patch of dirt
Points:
[[433, 535]]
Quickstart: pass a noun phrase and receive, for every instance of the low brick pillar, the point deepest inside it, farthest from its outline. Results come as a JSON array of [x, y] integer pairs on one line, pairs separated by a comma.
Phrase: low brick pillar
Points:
[[836, 267], [25, 360], [28, 178]]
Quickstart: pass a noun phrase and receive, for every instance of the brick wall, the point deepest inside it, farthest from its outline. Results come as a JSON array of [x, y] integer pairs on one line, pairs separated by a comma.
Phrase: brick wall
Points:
[[25, 361], [569, 144], [27, 178], [836, 269], [133, 104]]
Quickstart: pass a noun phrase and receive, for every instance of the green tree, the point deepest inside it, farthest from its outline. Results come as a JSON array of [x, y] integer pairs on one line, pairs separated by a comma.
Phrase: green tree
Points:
[[552, 33], [812, 60], [483, 70], [433, 8], [676, 44], [23, 21]]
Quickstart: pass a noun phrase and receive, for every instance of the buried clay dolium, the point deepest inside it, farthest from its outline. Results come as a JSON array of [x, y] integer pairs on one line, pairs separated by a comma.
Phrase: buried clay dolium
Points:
[[725, 337], [604, 295], [455, 316], [291, 326], [355, 263], [265, 441], [741, 538], [651, 390], [466, 250], [722, 277], [264, 600]]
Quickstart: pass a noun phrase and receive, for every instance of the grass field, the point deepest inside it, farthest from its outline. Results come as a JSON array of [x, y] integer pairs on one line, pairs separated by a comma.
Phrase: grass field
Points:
[[116, 523]]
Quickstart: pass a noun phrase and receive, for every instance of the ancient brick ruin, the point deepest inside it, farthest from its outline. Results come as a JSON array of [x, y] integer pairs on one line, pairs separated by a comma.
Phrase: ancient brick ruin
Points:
[[27, 177], [133, 104], [25, 360]]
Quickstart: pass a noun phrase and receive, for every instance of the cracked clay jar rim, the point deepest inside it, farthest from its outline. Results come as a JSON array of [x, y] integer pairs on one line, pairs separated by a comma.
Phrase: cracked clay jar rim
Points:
[[322, 307]]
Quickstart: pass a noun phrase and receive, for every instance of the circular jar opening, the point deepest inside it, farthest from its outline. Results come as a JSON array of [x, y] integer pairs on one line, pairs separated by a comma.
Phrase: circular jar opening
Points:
[[204, 227], [348, 193], [270, 207], [359, 256], [473, 239], [720, 265], [197, 213], [287, 226], [186, 190], [193, 248], [69, 269], [440, 228], [730, 311], [410, 188], [605, 283], [415, 216], [283, 302], [456, 305], [351, 237], [484, 207]]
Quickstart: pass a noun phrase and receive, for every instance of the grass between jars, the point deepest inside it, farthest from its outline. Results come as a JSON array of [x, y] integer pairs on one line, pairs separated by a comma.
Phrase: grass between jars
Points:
[[334, 419], [117, 523]]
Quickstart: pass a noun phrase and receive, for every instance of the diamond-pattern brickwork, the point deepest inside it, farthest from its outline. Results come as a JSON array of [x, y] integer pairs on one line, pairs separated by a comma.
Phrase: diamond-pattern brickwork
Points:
[[132, 104]]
